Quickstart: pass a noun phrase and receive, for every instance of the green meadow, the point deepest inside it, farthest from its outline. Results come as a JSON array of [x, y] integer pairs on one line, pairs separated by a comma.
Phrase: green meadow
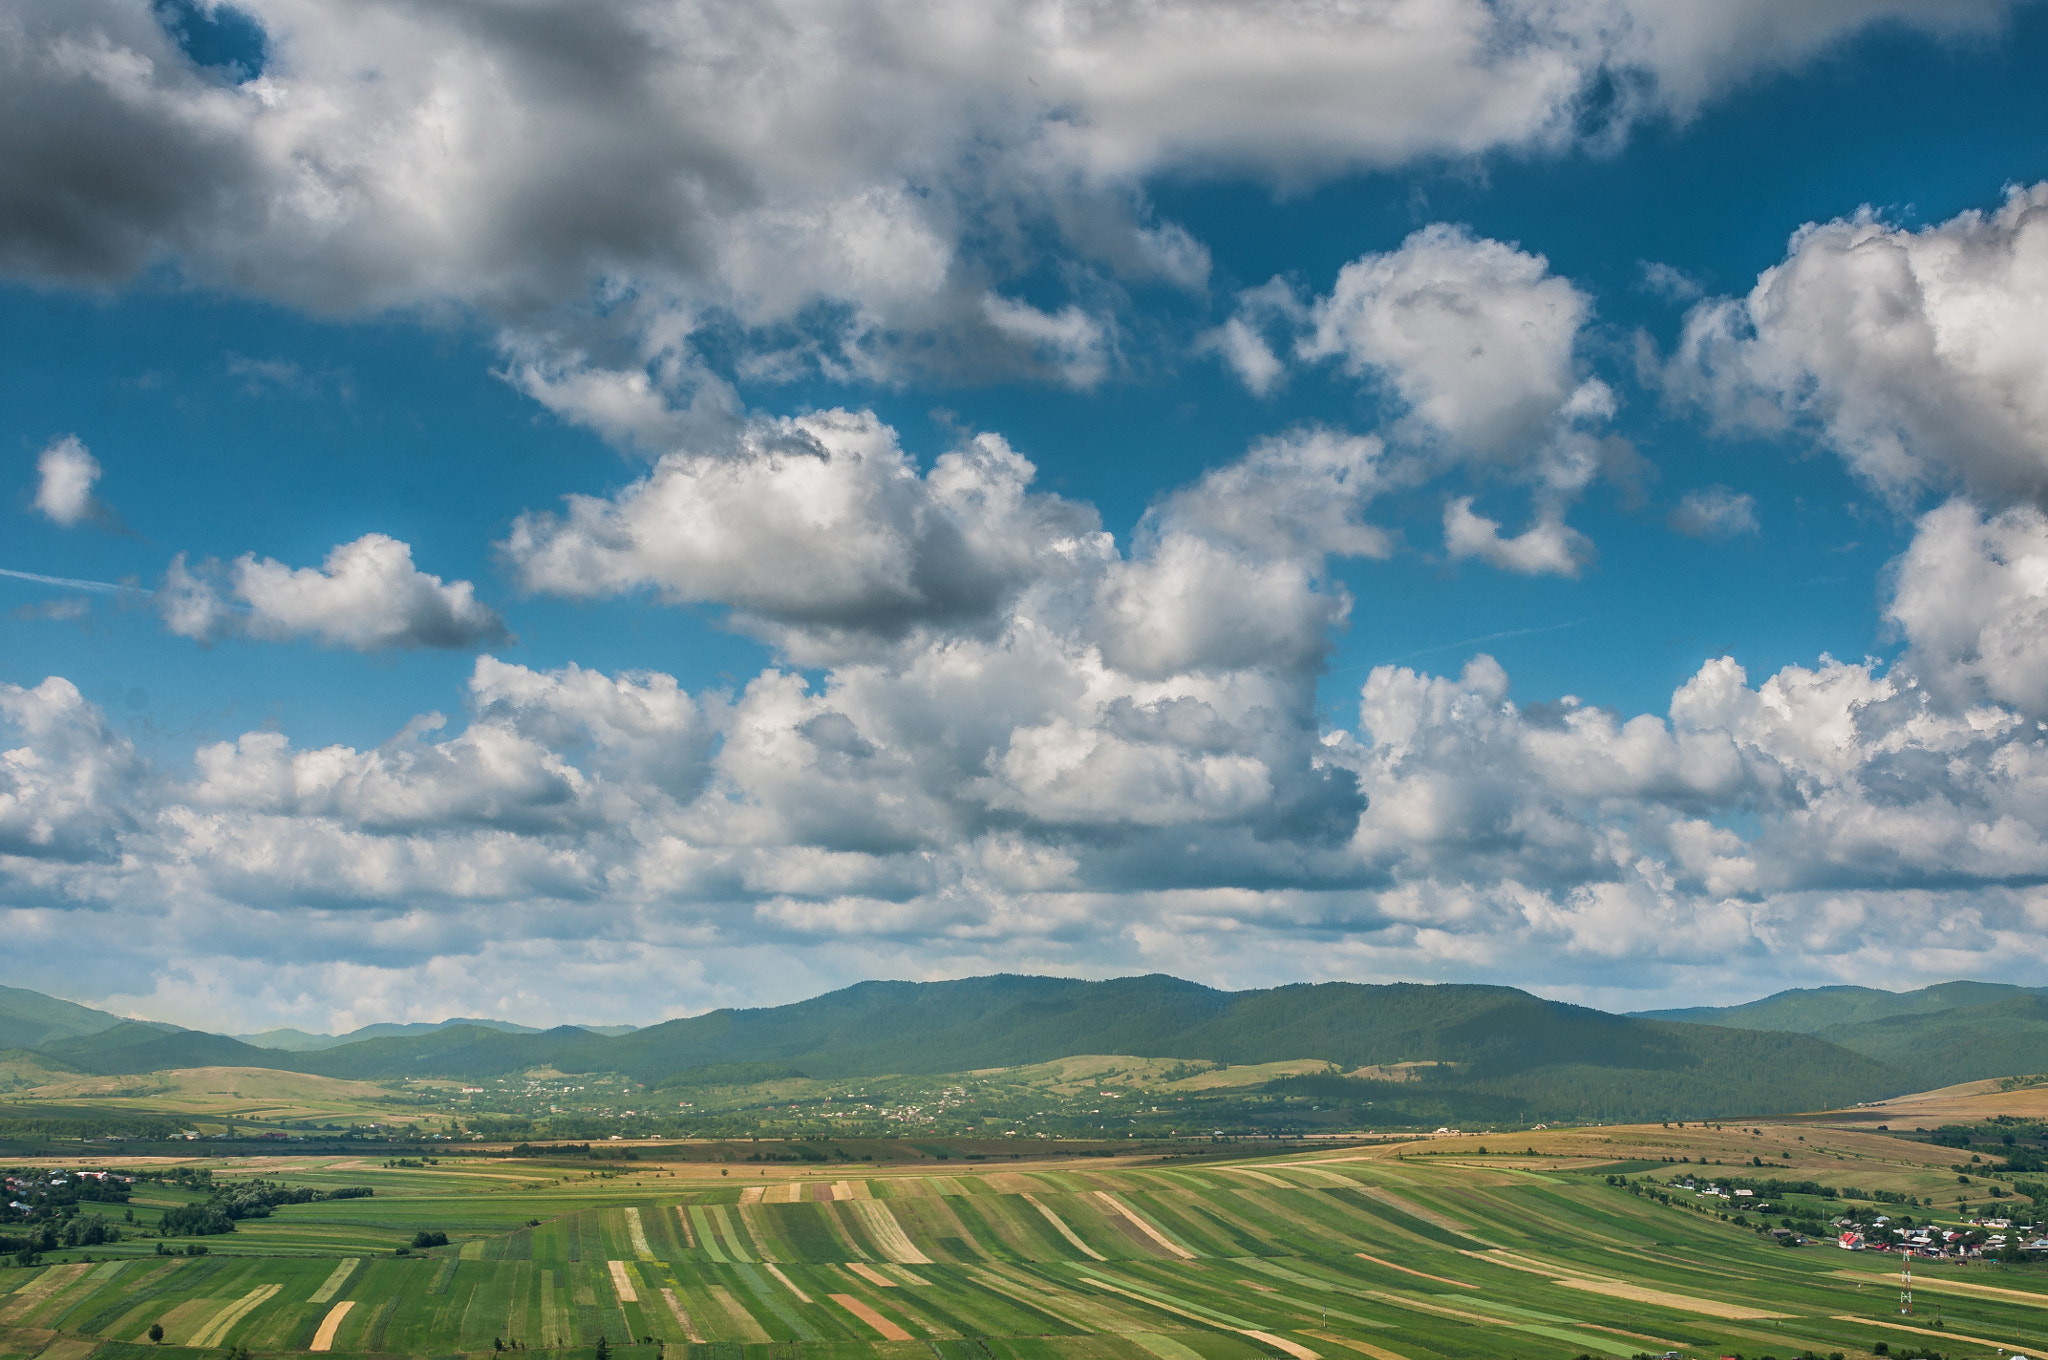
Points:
[[1388, 1253]]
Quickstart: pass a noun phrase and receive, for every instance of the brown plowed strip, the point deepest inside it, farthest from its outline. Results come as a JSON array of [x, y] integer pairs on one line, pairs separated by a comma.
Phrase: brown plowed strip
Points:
[[889, 1330]]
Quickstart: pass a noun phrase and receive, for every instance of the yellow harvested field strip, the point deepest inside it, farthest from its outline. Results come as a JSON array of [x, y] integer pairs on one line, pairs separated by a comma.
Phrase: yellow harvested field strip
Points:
[[1327, 1177], [753, 1194], [1419, 1274], [851, 1190], [323, 1340], [1363, 1347], [1684, 1303], [24, 1300], [335, 1281], [788, 1284], [622, 1281], [881, 1223], [889, 1330], [1258, 1176], [1924, 1331], [1065, 1231], [223, 1322], [1295, 1349], [871, 1275], [1142, 1226], [675, 1305], [1550, 1270], [750, 1329], [637, 1231], [689, 1238], [1988, 1291]]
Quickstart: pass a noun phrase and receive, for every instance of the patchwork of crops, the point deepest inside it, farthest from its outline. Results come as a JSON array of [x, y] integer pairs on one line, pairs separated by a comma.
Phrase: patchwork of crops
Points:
[[1310, 1257]]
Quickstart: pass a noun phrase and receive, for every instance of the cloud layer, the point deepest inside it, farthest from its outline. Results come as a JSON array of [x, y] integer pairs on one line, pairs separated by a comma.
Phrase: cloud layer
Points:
[[1089, 756], [832, 175]]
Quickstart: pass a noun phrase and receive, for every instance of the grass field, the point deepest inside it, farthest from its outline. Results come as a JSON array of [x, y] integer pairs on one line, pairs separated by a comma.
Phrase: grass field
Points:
[[1394, 1252]]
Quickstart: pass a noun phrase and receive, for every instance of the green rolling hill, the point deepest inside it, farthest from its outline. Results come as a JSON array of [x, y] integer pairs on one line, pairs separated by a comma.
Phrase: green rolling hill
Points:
[[1497, 1049], [29, 1019], [1938, 1036], [1812, 1010]]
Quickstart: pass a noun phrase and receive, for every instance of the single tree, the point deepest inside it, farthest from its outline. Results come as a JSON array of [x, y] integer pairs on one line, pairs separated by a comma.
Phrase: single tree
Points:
[[156, 1333]]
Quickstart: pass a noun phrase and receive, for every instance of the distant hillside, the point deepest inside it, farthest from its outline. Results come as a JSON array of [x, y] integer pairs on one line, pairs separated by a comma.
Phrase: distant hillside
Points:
[[1812, 1010], [129, 1047], [2008, 1037], [1533, 1054], [1500, 1048], [300, 1041], [30, 1019]]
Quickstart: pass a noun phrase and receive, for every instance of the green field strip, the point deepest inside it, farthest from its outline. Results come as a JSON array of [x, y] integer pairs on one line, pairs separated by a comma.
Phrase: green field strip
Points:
[[1150, 1233], [1004, 1312], [1165, 1347], [31, 1297], [762, 1289], [1076, 1313], [1274, 1270], [744, 1322], [1387, 1217], [636, 1233], [1009, 1228], [929, 1223], [802, 1232], [1065, 1228], [1178, 1212], [886, 1231], [756, 1229], [850, 1244], [217, 1329], [1238, 1235], [1158, 1298], [553, 1317], [334, 1281], [1304, 1212], [707, 1240], [735, 1245]]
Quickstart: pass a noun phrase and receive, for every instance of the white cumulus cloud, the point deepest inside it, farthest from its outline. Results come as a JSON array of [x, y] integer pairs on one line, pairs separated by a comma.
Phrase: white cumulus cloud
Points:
[[66, 473], [1916, 355], [367, 595]]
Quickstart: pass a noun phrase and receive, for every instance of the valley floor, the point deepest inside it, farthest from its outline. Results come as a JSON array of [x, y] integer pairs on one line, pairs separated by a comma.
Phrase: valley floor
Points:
[[1524, 1247]]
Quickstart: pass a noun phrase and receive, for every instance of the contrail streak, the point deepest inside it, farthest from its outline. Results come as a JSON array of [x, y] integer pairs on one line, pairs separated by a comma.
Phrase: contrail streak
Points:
[[103, 587]]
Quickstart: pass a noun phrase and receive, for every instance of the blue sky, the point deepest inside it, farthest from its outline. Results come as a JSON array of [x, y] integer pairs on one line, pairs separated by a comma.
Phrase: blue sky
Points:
[[266, 307]]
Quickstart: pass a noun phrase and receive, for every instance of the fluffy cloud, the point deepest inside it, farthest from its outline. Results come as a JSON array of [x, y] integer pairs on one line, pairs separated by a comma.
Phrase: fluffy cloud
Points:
[[1549, 547], [819, 531], [367, 596], [1971, 597], [71, 787], [66, 473], [1916, 355], [1714, 512], [1476, 338], [886, 163], [1107, 758]]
